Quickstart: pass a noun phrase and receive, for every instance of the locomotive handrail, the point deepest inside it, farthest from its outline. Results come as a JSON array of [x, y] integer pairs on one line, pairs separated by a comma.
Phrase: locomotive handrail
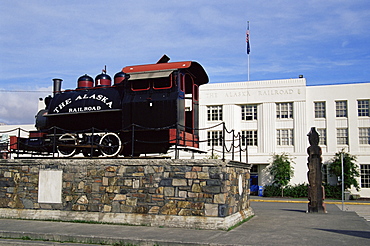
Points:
[[15, 129], [201, 129], [228, 145]]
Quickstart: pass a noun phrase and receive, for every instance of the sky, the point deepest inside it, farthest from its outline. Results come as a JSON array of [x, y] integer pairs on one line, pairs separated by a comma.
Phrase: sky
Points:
[[325, 41]]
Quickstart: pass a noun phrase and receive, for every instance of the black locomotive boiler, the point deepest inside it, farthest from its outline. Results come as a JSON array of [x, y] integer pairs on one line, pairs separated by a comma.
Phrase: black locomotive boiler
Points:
[[147, 109]]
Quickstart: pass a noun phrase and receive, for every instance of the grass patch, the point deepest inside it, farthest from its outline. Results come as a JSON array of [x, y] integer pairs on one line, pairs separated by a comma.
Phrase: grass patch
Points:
[[239, 223]]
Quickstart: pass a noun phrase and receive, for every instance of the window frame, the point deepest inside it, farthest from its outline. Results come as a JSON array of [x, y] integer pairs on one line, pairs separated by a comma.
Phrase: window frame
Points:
[[284, 137], [249, 138], [248, 110], [341, 109], [214, 113], [364, 135], [363, 108], [320, 110], [214, 138], [284, 110], [365, 175], [342, 136]]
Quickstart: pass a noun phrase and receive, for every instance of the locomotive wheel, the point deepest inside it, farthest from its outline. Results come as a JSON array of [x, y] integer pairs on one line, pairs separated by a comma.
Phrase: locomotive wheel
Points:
[[110, 144], [65, 143]]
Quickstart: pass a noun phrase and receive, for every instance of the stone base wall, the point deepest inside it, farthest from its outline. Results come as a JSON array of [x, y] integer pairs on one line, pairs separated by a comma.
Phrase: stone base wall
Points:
[[209, 194]]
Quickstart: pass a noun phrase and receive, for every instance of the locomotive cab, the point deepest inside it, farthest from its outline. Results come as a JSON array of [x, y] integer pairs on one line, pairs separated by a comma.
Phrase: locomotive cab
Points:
[[163, 96]]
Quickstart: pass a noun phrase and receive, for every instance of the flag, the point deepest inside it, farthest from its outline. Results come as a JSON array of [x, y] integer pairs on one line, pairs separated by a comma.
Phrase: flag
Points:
[[248, 47]]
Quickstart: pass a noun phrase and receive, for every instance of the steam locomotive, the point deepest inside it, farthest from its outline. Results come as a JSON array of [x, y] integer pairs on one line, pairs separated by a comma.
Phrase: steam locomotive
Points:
[[147, 109]]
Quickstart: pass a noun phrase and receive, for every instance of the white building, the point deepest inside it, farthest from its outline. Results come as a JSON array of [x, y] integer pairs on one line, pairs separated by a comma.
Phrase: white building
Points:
[[276, 115]]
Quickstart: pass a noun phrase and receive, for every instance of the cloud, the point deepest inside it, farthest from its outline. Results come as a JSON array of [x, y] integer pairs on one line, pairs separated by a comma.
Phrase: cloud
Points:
[[20, 107]]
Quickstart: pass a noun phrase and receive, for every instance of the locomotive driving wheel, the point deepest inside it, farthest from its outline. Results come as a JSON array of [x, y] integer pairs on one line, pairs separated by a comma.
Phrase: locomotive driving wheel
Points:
[[110, 144], [67, 145]]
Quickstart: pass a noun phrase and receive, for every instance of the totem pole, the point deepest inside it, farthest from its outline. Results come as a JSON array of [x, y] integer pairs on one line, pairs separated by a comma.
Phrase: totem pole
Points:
[[316, 192]]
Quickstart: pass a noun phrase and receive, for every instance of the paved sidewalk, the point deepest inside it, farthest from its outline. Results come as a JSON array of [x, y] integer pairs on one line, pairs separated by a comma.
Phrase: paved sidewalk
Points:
[[361, 207], [275, 223]]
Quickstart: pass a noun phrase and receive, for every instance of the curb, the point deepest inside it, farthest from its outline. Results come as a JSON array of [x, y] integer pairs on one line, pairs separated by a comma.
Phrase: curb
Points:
[[326, 202]]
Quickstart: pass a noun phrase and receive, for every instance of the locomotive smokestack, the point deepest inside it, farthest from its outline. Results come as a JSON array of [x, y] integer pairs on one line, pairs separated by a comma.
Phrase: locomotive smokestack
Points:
[[57, 86]]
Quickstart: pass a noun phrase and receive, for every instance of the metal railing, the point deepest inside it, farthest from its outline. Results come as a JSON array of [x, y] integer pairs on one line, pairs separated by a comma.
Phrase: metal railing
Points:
[[229, 142]]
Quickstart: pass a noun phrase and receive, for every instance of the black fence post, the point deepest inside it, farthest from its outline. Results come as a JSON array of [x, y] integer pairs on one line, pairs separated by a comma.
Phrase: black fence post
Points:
[[233, 145], [240, 146], [177, 142], [54, 141], [92, 143], [223, 140], [18, 142], [133, 141], [246, 152]]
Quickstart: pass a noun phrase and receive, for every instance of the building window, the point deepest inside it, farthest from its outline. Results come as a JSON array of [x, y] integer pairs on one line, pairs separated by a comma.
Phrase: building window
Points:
[[249, 138], [320, 111], [249, 112], [284, 110], [322, 137], [342, 136], [341, 108], [365, 176], [214, 138], [214, 113], [363, 107], [364, 135], [284, 137]]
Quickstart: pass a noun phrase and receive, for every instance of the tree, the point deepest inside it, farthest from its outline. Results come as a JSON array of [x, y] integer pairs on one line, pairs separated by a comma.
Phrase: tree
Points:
[[350, 169], [281, 170]]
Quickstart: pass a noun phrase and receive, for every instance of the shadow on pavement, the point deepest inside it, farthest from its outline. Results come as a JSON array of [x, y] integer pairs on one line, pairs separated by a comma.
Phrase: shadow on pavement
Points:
[[362, 234], [294, 210]]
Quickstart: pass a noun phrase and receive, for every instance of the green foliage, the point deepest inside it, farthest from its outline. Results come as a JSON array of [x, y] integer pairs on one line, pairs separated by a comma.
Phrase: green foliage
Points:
[[271, 191], [350, 169], [281, 169], [301, 190], [333, 191], [240, 223]]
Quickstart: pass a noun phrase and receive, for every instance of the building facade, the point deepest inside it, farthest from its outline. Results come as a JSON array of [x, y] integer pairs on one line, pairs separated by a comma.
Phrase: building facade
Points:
[[275, 116]]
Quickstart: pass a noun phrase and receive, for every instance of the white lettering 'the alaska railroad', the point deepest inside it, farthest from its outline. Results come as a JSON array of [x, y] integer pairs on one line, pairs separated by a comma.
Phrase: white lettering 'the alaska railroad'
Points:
[[98, 97]]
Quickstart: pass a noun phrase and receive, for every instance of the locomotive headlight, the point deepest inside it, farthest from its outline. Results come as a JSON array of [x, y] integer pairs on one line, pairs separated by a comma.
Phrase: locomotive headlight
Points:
[[150, 104]]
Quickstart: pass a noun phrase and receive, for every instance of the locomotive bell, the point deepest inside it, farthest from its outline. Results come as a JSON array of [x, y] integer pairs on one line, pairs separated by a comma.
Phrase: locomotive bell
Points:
[[85, 82], [102, 80], [120, 77]]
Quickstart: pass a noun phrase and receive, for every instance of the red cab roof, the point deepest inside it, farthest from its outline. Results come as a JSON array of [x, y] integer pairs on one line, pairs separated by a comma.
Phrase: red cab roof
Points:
[[193, 67]]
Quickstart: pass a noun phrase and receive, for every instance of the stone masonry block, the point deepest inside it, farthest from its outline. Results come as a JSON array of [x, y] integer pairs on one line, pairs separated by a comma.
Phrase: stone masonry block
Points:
[[131, 201], [191, 175], [169, 191], [219, 198], [196, 188], [119, 197], [179, 182], [211, 209], [203, 175], [196, 169]]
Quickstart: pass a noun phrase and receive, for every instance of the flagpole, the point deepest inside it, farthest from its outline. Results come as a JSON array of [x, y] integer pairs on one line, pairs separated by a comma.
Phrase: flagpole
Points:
[[247, 48], [248, 67]]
